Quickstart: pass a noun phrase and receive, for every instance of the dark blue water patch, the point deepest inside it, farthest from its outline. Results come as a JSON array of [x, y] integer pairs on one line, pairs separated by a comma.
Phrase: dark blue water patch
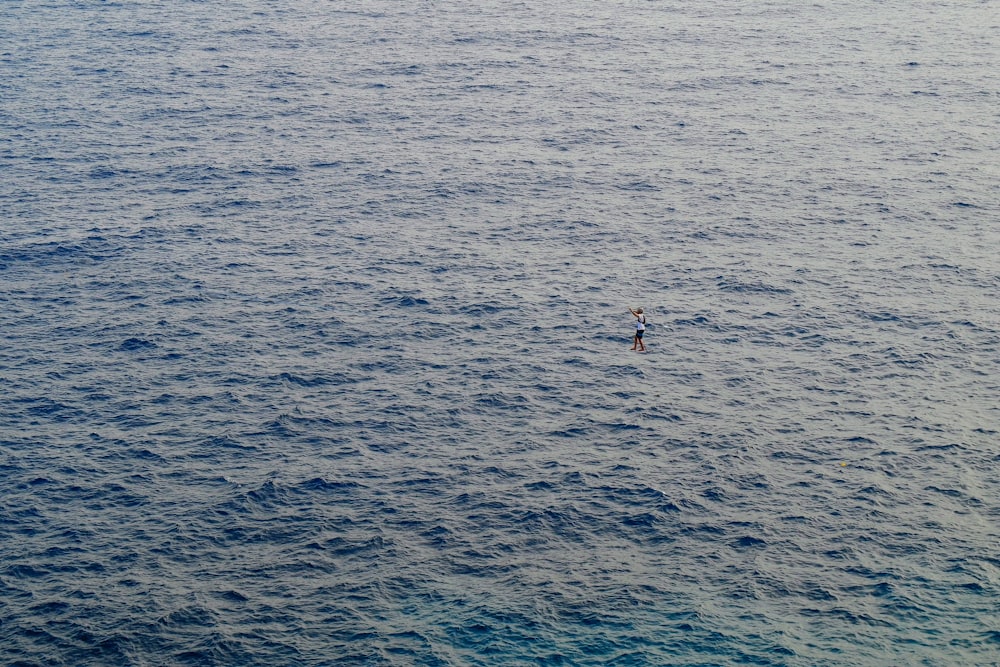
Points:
[[312, 428], [104, 173], [637, 497], [411, 301], [570, 432], [20, 571], [334, 379], [350, 548], [730, 285], [503, 401], [748, 542], [639, 186], [326, 487], [136, 344], [45, 407], [225, 445], [644, 522], [909, 321], [709, 322], [51, 254]]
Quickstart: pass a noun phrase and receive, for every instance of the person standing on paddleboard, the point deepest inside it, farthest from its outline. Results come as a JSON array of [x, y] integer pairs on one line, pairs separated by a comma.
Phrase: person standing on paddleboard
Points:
[[640, 329]]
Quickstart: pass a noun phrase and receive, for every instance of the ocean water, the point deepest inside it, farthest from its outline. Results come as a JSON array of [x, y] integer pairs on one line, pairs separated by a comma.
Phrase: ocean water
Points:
[[314, 332]]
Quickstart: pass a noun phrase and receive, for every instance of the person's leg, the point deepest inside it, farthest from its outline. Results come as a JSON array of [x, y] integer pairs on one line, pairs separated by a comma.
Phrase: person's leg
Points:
[[642, 346], [635, 341]]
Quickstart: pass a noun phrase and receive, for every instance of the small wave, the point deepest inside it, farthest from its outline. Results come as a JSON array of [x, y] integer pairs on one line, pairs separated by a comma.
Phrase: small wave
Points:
[[316, 381], [750, 287], [136, 344], [749, 542]]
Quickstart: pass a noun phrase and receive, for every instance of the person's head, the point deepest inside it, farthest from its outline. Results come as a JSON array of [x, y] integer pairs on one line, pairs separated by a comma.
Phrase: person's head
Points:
[[639, 310]]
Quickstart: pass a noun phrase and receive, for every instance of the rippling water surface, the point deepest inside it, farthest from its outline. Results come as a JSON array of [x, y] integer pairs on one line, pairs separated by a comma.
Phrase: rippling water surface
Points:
[[314, 341]]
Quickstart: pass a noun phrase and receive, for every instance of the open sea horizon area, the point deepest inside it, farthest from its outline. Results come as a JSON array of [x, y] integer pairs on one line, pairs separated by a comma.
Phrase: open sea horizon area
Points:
[[315, 333]]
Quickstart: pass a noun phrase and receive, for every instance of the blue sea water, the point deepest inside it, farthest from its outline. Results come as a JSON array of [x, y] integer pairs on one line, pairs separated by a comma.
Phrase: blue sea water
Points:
[[314, 332]]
